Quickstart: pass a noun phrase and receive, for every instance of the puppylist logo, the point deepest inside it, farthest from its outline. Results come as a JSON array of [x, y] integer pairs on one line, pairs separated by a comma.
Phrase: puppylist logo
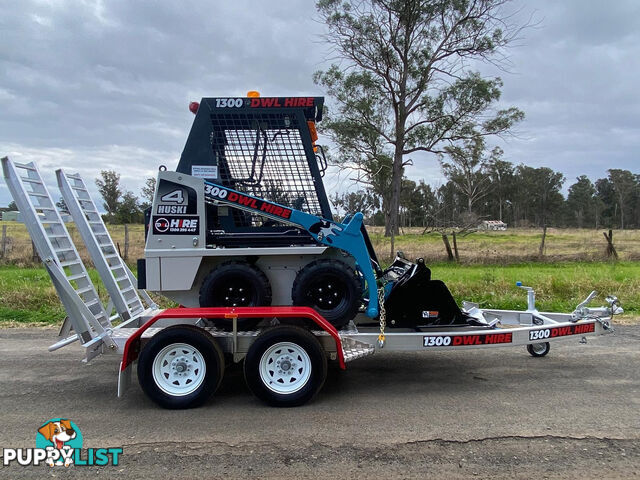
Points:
[[59, 442]]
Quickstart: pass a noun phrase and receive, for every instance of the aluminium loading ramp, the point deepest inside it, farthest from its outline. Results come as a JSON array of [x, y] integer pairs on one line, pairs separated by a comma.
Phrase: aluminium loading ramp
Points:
[[114, 272], [56, 249]]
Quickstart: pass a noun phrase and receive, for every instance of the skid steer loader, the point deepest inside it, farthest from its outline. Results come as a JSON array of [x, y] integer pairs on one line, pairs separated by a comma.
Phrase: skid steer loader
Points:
[[245, 221]]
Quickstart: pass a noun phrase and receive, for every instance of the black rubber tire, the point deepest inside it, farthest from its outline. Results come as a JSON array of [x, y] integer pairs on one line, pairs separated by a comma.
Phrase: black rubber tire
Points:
[[540, 353], [233, 275], [195, 337], [337, 275], [303, 339]]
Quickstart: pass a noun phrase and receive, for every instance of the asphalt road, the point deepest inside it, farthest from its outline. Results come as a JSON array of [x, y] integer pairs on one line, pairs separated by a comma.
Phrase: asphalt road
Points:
[[495, 413]]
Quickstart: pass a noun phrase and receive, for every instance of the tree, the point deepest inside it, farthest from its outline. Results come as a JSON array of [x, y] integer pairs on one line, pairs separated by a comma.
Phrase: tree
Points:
[[109, 188], [403, 76], [581, 201], [148, 191], [467, 168], [352, 202], [539, 190], [12, 207], [501, 174], [128, 210], [624, 184]]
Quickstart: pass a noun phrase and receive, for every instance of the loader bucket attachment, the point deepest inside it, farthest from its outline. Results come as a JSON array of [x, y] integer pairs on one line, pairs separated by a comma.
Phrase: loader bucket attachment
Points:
[[416, 300]]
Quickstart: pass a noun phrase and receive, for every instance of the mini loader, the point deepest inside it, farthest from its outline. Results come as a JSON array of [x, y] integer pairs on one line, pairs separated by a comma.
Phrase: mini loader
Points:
[[241, 235]]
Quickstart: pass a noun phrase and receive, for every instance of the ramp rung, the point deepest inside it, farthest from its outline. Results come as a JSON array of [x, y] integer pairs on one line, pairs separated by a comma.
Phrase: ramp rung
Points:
[[112, 255], [116, 267], [125, 290], [73, 175], [49, 222], [76, 276], [80, 291], [36, 194], [95, 222], [60, 250], [70, 262], [48, 209], [24, 165], [123, 277], [31, 180], [79, 189], [57, 235], [92, 303]]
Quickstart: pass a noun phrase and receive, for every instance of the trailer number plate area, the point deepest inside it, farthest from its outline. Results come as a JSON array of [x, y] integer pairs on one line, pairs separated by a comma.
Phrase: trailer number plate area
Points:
[[562, 331], [466, 340]]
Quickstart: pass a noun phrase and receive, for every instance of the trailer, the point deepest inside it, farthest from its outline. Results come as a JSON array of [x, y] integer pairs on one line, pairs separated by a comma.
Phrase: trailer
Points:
[[242, 237]]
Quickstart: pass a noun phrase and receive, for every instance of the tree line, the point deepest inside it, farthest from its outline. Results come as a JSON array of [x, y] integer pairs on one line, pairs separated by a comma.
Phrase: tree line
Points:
[[495, 189]]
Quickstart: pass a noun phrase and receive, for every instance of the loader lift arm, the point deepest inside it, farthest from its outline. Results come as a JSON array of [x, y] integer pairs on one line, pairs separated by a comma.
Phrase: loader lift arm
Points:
[[347, 237]]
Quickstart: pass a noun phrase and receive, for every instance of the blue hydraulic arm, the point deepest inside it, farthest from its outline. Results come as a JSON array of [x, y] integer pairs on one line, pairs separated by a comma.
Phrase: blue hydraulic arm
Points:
[[347, 237]]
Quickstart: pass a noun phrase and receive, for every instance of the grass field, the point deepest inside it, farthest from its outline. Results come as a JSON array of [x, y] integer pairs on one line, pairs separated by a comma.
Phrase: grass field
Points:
[[510, 246], [574, 263], [28, 297]]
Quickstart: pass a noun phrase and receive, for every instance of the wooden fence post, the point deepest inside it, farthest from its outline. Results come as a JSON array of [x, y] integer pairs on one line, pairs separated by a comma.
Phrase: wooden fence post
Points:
[[447, 246], [544, 237], [126, 241], [611, 250], [34, 253], [4, 241], [455, 246]]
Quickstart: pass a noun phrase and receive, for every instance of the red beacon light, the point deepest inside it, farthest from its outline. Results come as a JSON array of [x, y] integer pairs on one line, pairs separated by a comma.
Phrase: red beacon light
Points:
[[193, 107]]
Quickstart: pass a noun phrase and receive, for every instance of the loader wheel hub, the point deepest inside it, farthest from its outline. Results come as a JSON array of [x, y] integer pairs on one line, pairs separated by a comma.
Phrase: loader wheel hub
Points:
[[235, 296], [326, 294]]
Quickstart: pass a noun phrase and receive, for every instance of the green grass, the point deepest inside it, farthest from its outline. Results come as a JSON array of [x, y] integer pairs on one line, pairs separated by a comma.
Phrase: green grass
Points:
[[28, 297]]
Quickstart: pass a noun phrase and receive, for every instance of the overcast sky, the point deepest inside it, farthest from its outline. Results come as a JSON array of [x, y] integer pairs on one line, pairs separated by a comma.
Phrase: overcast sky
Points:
[[93, 85]]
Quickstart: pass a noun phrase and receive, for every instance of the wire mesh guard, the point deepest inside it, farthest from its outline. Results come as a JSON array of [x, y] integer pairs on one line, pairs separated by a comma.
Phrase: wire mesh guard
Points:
[[263, 154]]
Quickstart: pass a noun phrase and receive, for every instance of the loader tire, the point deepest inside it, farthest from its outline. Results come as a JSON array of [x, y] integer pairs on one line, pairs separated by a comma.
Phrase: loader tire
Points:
[[235, 284], [331, 288]]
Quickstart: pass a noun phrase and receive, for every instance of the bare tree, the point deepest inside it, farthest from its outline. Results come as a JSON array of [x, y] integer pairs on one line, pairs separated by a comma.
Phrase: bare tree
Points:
[[467, 168], [404, 74]]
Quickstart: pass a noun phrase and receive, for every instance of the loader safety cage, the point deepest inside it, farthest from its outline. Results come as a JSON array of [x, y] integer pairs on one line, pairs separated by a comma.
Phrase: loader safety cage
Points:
[[130, 322]]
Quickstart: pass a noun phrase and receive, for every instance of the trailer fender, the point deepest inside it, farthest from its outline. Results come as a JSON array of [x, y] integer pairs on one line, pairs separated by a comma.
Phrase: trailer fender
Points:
[[133, 343]]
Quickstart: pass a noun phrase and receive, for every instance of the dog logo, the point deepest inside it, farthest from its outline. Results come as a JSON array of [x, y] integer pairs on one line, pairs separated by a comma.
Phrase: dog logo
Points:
[[60, 437], [324, 229]]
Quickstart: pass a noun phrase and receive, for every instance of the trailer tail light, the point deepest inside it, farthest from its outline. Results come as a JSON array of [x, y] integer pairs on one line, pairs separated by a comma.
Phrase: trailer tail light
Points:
[[193, 107], [253, 94]]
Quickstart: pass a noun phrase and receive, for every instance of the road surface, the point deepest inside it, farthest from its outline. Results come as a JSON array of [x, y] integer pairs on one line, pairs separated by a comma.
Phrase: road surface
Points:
[[495, 413]]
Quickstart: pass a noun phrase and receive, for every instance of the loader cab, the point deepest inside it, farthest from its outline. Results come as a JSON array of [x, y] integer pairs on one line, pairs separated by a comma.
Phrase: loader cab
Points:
[[262, 146]]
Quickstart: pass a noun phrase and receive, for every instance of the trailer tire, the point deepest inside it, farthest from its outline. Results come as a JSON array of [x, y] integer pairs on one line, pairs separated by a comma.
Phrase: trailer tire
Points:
[[196, 374], [538, 349], [225, 286], [338, 281], [302, 362]]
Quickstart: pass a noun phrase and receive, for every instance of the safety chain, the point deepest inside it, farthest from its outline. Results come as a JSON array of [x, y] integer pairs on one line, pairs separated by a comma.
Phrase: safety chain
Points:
[[383, 317]]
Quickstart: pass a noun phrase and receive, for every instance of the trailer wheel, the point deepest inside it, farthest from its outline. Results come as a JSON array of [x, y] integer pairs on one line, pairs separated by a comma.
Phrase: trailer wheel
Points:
[[538, 349], [235, 284], [285, 366], [331, 288], [180, 367]]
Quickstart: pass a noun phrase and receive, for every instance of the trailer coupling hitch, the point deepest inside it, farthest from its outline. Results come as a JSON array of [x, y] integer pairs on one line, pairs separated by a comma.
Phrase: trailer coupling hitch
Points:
[[601, 314]]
